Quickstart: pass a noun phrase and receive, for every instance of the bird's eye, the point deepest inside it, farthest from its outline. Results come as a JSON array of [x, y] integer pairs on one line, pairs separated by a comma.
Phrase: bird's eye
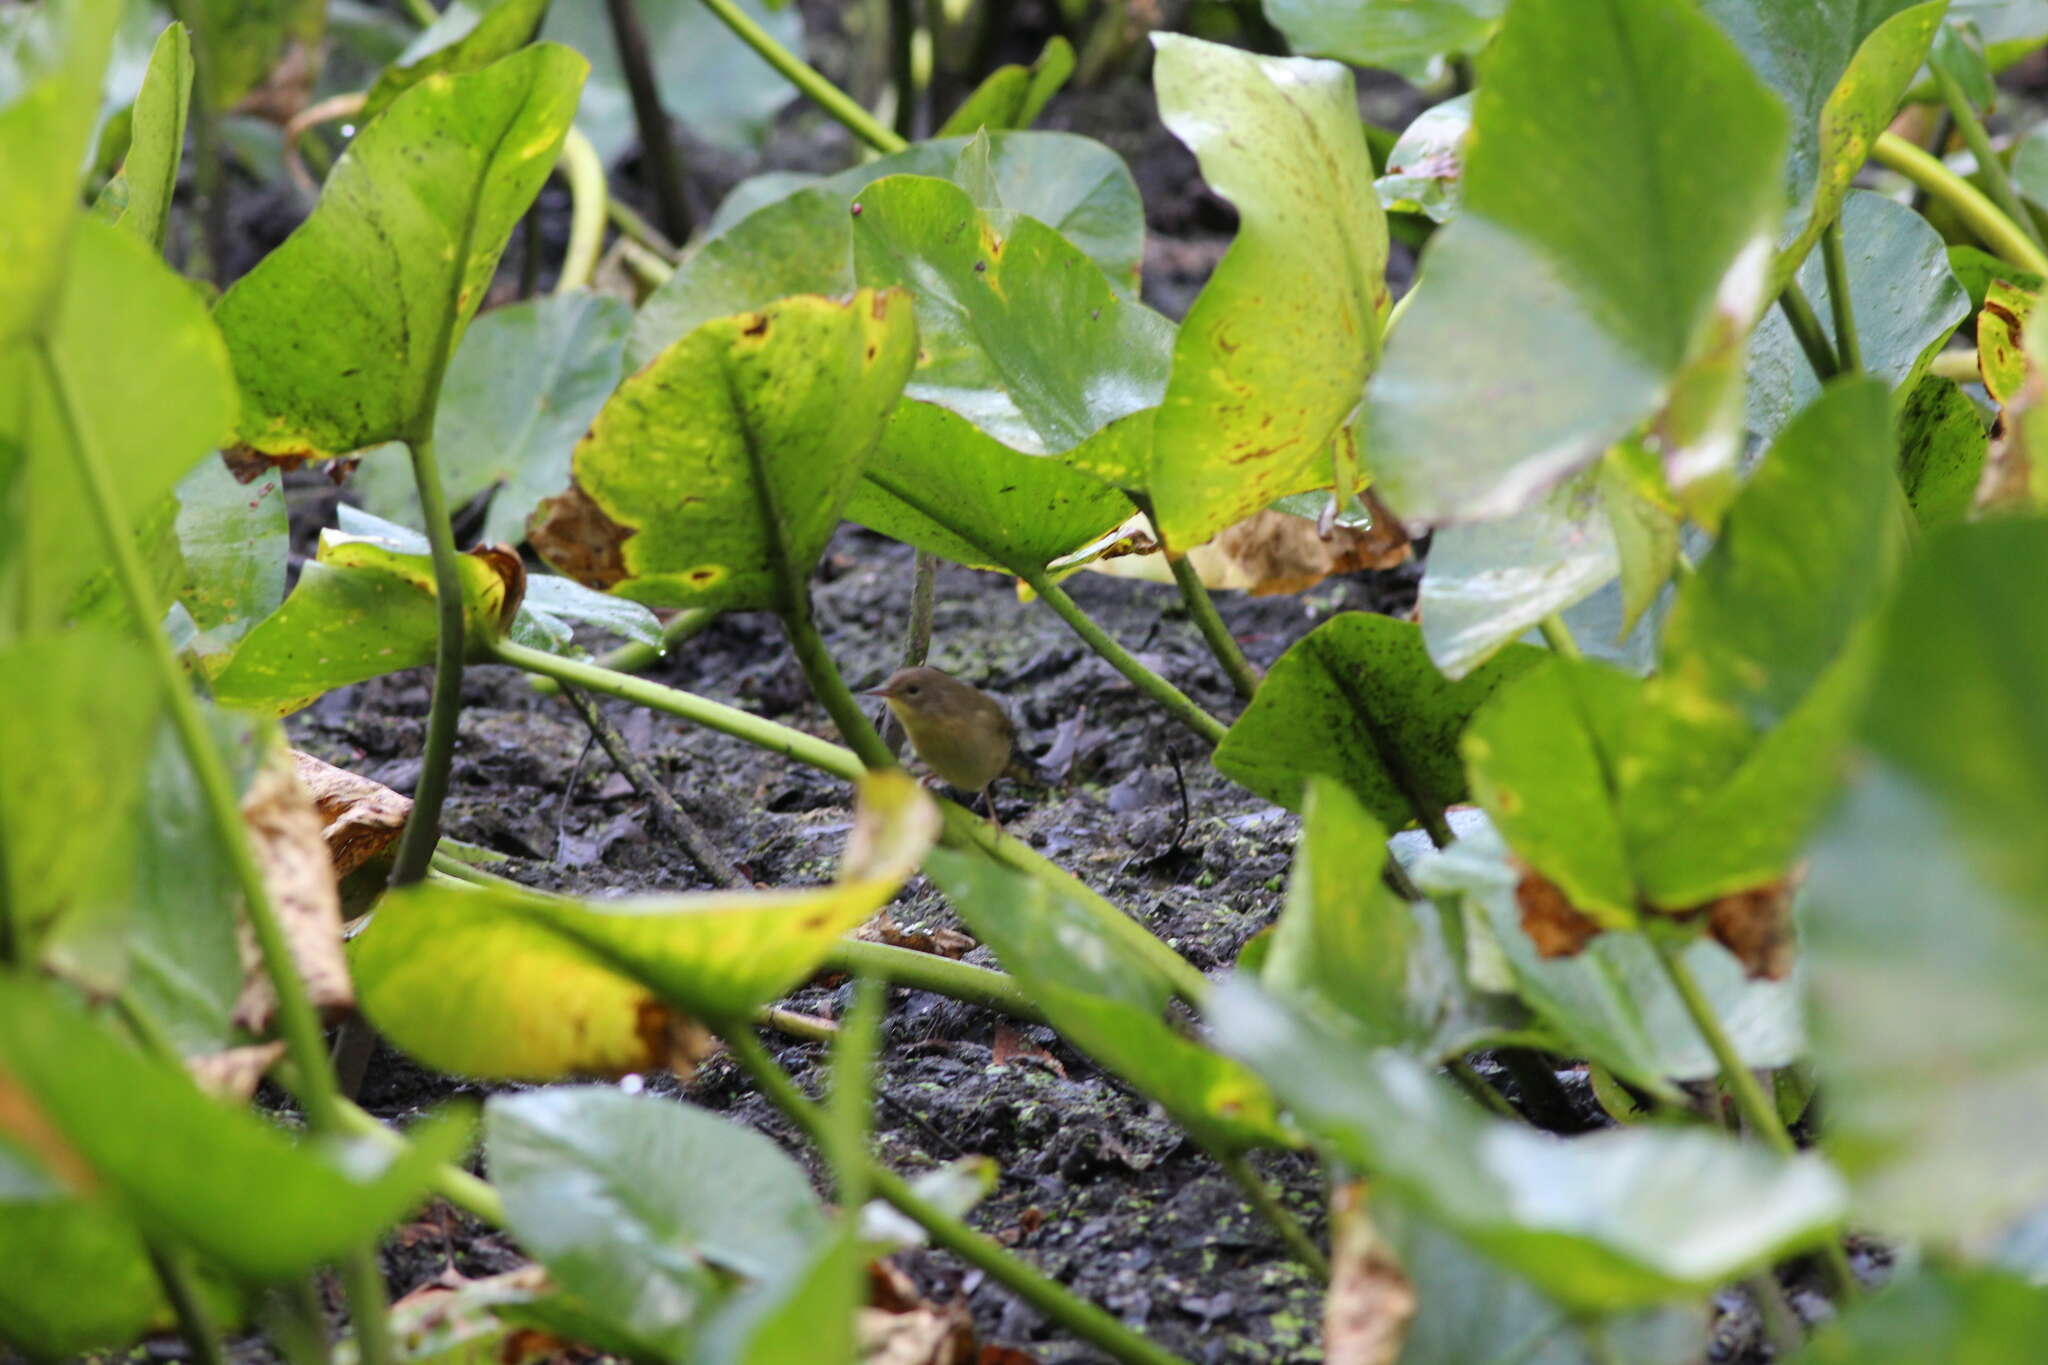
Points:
[[911, 690]]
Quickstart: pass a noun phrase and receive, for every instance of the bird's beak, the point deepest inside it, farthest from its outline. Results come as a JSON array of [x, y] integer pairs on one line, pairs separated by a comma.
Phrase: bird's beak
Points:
[[884, 692]]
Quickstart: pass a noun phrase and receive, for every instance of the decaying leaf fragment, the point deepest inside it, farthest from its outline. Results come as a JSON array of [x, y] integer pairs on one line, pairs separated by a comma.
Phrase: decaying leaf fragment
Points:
[[363, 818], [1366, 1316], [901, 1327], [232, 1074], [580, 538], [1549, 918], [291, 849], [1756, 926], [1267, 554]]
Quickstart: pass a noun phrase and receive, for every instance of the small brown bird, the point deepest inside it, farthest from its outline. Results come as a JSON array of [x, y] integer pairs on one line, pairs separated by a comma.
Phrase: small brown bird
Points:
[[960, 731]]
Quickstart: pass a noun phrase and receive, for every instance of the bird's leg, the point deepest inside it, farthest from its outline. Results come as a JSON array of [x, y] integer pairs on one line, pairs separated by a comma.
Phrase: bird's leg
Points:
[[988, 801]]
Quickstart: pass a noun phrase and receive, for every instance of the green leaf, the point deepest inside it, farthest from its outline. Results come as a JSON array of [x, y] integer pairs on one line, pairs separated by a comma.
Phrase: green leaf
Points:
[[634, 1203], [1840, 67], [77, 727], [50, 67], [1274, 354], [51, 1244], [714, 475], [1613, 1002], [516, 984], [2030, 168], [139, 195], [551, 602], [461, 40], [1486, 584], [1618, 1220], [218, 1179], [1017, 332], [1549, 322], [806, 1313], [1426, 169], [1470, 1310], [1358, 699], [1013, 96], [1344, 941], [710, 81], [147, 383], [1107, 1001], [233, 546], [1958, 55], [363, 607], [1963, 1315], [800, 240], [1647, 524], [1941, 451], [240, 41], [341, 335], [2010, 28], [1407, 36], [938, 482], [1924, 914], [1907, 302], [520, 392], [1976, 269]]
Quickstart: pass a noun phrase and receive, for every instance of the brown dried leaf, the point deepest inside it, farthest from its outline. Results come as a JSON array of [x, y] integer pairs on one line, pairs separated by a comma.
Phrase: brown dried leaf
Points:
[[1266, 554], [1011, 1046], [950, 943], [1370, 1303], [1756, 926], [362, 817], [511, 571], [901, 1327], [1549, 918], [675, 1042], [286, 833], [572, 533], [233, 1074]]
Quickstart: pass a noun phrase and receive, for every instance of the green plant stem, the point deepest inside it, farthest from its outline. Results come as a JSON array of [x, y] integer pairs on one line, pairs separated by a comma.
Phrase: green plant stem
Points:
[[1781, 1324], [584, 170], [830, 688], [806, 1028], [634, 654], [1476, 1086], [902, 73], [1993, 227], [637, 229], [1558, 636], [963, 828], [1805, 324], [422, 13], [658, 157], [362, 1285], [1077, 1315], [295, 1016], [930, 972], [1277, 1216], [423, 826], [1960, 366], [1755, 1106], [1177, 703], [465, 1191], [1835, 256], [1243, 677], [1996, 177], [827, 96], [195, 1324]]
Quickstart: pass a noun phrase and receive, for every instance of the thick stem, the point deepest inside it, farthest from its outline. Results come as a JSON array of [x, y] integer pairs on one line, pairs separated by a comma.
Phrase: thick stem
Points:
[[823, 93], [195, 1324], [1750, 1100], [1960, 366], [1276, 1214], [1558, 636], [930, 972], [1836, 258], [1078, 1316], [423, 826], [295, 1016], [658, 155], [1996, 177], [1805, 324], [362, 1285], [1177, 703], [1994, 228], [637, 229], [963, 828], [917, 634], [422, 12], [584, 170], [465, 1191], [1781, 1323], [902, 67], [1467, 1076], [1243, 677], [830, 689]]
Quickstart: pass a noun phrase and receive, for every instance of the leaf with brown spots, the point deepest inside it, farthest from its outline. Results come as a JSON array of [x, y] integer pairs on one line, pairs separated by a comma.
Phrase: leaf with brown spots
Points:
[[517, 984], [1550, 920], [713, 477], [1274, 355]]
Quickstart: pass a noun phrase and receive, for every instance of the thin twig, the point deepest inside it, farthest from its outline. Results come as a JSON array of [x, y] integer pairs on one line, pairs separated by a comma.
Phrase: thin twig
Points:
[[823, 93], [658, 155], [668, 813]]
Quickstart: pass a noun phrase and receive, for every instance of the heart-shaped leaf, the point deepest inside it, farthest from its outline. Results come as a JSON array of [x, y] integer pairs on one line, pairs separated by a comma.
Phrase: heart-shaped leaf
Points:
[[139, 195], [1942, 444], [1426, 168], [340, 336], [504, 982], [1274, 354], [1547, 322], [1408, 36], [1958, 1314], [462, 39], [714, 476]]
